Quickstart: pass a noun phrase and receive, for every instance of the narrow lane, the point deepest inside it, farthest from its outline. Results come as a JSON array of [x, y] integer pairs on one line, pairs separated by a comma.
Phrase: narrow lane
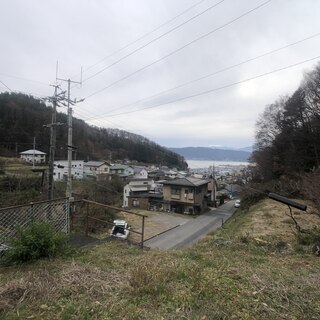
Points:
[[190, 232]]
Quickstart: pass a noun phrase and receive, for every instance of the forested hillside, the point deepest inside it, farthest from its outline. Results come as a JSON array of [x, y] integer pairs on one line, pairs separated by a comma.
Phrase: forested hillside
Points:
[[288, 132], [23, 117]]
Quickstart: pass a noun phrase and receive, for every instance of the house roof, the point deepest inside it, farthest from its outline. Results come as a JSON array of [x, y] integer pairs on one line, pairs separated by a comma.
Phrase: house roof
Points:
[[147, 195], [118, 166], [138, 169], [187, 182], [94, 163], [33, 152]]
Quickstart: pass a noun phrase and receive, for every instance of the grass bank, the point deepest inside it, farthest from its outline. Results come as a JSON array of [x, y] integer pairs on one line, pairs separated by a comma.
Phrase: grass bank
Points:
[[226, 276]]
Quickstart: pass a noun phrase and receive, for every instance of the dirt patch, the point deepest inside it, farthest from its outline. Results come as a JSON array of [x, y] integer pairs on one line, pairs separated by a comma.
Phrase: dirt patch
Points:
[[271, 221], [155, 223]]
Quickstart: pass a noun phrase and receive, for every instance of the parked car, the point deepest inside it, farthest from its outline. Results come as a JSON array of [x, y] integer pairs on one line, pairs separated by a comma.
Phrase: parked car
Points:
[[120, 229], [237, 203]]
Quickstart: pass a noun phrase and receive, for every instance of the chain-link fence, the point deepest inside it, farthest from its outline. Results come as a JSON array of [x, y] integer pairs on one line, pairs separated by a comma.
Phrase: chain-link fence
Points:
[[96, 220], [56, 212]]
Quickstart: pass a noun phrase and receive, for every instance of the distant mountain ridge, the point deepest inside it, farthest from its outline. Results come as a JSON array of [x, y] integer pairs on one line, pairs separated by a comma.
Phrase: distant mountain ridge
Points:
[[204, 153]]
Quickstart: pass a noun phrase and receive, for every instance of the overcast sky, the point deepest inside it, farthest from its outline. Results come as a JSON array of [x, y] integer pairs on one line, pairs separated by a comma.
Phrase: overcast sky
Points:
[[178, 41]]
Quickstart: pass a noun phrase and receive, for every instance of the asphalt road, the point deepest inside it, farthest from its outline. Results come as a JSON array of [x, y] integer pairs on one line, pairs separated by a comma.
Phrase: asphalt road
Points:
[[189, 233]]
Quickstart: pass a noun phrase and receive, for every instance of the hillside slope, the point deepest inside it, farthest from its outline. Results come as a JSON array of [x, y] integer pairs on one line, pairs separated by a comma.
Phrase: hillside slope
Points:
[[23, 117], [226, 276]]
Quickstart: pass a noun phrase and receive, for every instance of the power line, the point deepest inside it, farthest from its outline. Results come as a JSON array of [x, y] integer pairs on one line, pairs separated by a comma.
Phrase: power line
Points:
[[24, 79], [145, 35], [219, 88], [6, 86], [180, 48], [153, 40], [22, 92], [209, 75]]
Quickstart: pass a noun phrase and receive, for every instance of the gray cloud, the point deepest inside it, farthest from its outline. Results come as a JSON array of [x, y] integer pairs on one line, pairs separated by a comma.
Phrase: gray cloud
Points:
[[35, 34]]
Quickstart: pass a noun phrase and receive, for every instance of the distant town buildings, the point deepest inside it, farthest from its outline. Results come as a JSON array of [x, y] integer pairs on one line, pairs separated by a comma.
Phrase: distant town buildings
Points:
[[160, 188]]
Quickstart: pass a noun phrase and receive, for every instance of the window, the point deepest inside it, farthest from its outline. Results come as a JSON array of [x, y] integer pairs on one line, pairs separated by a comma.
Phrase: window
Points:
[[135, 203], [175, 191]]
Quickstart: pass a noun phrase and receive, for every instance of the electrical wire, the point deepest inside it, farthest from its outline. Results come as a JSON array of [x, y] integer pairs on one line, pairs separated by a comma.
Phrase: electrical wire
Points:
[[180, 48], [219, 88], [6, 86], [208, 75], [145, 35], [21, 78], [151, 41]]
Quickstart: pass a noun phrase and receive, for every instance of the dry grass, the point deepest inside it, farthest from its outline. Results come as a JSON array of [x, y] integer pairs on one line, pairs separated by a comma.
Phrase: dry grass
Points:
[[270, 221], [46, 284], [210, 281]]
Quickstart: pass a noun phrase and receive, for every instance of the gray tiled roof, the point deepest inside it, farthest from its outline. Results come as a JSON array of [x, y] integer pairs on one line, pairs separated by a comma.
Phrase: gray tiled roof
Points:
[[187, 182], [94, 163]]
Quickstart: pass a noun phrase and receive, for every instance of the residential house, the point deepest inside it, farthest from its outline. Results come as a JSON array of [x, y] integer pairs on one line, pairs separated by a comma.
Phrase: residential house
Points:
[[119, 169], [33, 156], [185, 195], [140, 173], [134, 188], [156, 174], [60, 170], [96, 168], [146, 201]]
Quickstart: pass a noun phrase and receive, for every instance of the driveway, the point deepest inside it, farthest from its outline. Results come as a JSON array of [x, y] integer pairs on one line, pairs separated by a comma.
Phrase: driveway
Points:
[[193, 230]]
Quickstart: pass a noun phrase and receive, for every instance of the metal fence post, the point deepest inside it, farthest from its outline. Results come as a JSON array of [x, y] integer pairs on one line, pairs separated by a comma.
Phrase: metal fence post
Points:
[[32, 211], [68, 215], [87, 220], [142, 233]]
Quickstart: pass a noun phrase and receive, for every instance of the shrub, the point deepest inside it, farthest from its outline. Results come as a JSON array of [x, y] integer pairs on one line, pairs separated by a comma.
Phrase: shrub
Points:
[[38, 240], [249, 198], [309, 237]]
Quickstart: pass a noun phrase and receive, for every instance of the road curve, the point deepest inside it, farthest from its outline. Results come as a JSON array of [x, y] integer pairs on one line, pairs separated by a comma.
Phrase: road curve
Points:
[[190, 232]]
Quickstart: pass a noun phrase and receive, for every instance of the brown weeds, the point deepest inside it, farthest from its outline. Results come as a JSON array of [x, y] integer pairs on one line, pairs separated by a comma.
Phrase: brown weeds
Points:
[[46, 285]]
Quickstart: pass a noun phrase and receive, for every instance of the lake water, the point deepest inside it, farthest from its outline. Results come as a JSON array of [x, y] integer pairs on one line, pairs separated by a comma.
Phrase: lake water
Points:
[[196, 164]]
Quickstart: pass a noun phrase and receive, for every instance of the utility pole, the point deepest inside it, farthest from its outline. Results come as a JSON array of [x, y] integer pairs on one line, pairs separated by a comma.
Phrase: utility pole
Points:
[[34, 151], [52, 144], [53, 132], [70, 146], [69, 181]]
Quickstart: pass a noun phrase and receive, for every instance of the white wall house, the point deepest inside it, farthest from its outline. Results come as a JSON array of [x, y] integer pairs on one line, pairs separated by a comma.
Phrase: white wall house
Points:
[[128, 171], [60, 170], [136, 187], [38, 156], [94, 168], [140, 173]]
